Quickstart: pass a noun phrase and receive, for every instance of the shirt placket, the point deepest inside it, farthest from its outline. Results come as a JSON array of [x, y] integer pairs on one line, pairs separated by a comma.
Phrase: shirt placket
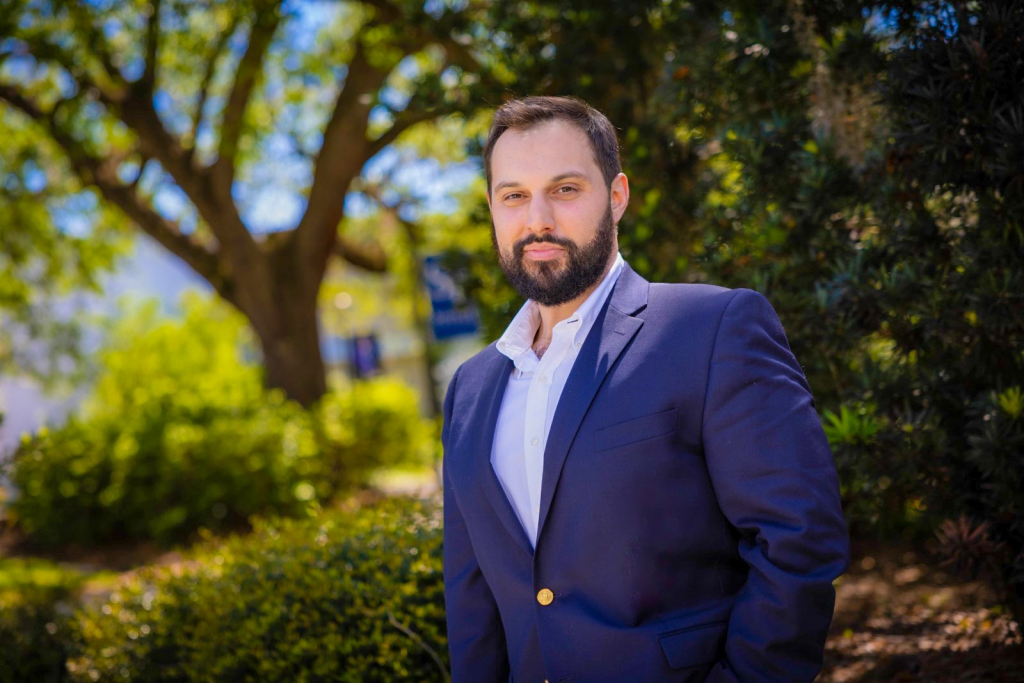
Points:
[[537, 414]]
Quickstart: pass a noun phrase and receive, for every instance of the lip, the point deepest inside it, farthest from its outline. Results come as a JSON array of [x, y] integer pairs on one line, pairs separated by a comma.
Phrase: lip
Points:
[[543, 254]]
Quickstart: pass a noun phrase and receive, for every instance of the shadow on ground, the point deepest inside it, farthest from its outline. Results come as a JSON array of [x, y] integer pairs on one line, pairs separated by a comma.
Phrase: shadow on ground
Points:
[[899, 617]]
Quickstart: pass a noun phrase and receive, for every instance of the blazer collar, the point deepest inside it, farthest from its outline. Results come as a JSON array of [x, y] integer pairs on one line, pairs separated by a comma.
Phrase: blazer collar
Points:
[[630, 293]]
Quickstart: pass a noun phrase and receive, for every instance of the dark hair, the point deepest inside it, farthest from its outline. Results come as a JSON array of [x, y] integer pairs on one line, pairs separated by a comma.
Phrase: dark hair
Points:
[[530, 111]]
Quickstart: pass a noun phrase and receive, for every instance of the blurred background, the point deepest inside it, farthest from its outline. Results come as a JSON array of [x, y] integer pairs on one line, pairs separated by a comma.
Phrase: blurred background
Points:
[[244, 246]]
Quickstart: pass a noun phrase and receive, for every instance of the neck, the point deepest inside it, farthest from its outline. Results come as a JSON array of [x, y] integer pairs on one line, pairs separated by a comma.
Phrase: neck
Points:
[[552, 315]]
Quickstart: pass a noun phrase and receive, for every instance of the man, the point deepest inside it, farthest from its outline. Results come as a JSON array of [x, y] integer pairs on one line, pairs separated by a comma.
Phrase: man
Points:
[[636, 484]]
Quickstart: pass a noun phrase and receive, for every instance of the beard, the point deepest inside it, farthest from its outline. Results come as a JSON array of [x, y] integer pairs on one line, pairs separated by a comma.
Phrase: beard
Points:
[[550, 283]]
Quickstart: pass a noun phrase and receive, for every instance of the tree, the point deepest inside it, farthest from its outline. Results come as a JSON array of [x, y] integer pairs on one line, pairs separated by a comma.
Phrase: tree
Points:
[[191, 100]]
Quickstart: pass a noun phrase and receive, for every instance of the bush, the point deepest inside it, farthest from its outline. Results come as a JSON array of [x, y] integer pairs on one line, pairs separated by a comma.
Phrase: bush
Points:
[[879, 473], [373, 425], [179, 434], [351, 596], [35, 630]]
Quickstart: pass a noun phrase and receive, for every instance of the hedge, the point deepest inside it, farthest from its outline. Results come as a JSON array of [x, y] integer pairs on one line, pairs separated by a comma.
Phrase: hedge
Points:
[[347, 596]]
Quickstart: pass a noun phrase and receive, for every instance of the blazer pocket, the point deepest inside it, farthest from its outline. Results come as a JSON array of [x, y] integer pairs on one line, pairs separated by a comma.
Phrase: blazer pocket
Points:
[[637, 429], [695, 645]]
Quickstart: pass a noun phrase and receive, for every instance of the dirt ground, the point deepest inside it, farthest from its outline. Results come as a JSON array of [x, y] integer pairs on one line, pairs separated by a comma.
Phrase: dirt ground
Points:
[[901, 618]]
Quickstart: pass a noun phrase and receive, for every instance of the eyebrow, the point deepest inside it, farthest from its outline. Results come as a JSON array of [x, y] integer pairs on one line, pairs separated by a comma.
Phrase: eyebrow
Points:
[[558, 178]]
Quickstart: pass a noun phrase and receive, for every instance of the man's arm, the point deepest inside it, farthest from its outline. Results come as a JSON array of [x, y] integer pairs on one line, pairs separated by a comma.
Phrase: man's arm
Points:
[[476, 638], [776, 482]]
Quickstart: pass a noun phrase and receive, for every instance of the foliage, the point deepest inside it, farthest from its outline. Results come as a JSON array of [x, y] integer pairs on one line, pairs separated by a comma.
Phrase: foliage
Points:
[[371, 425], [36, 601], [344, 596], [179, 434], [895, 265], [849, 427], [40, 263], [942, 278]]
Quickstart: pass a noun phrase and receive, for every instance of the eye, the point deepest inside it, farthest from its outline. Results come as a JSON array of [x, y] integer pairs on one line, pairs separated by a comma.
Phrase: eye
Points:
[[571, 189], [512, 196]]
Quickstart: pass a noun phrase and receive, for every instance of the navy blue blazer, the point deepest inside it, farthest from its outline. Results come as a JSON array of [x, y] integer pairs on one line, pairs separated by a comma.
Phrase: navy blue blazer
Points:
[[690, 523]]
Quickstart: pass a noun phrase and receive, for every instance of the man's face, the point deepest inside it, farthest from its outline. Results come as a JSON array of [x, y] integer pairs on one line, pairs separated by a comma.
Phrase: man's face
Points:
[[553, 217]]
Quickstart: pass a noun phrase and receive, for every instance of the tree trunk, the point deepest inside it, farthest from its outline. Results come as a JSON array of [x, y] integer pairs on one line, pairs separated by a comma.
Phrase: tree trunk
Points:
[[292, 360], [279, 298]]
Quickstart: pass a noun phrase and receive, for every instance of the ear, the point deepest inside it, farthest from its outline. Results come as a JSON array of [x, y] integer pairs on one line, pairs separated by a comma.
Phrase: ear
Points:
[[487, 193], [619, 195]]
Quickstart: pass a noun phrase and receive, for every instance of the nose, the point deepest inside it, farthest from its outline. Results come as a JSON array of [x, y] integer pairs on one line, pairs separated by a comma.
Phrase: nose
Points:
[[539, 218]]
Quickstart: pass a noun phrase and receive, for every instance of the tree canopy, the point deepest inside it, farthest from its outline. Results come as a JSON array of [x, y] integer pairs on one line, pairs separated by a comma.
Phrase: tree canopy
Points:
[[177, 118]]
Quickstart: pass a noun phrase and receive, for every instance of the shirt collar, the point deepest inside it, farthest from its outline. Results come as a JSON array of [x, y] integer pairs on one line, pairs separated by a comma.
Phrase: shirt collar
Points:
[[518, 337]]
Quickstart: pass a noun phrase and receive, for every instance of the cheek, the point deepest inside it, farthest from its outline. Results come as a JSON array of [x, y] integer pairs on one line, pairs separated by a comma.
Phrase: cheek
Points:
[[576, 219], [505, 232]]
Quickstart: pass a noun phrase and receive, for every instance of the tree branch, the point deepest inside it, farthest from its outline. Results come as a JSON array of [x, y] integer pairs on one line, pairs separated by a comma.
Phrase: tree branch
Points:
[[369, 257], [14, 97], [405, 120], [218, 210], [109, 90], [152, 44], [345, 149], [96, 42], [459, 55], [132, 103], [387, 11], [204, 86], [249, 69], [339, 161], [102, 173], [420, 30]]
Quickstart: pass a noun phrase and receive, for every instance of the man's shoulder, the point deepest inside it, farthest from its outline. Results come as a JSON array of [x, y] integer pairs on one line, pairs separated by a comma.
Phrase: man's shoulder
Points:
[[693, 298], [479, 361], [689, 304]]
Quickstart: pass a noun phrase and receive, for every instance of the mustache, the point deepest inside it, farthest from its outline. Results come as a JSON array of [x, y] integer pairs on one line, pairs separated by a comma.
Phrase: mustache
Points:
[[519, 246]]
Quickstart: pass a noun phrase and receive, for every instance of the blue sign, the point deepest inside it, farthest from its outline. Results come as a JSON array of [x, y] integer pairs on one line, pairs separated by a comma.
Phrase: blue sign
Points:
[[365, 356], [454, 315]]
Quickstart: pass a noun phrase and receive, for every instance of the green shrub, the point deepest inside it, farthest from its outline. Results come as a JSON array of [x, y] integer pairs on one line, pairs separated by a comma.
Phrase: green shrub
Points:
[[996, 441], [375, 424], [179, 434], [160, 476], [351, 596], [879, 473], [35, 629]]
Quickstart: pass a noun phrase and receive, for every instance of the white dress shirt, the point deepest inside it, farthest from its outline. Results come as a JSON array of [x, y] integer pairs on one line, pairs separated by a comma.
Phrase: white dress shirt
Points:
[[531, 396]]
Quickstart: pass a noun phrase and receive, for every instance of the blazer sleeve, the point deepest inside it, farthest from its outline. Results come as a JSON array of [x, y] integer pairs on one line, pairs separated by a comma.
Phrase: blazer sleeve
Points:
[[476, 637], [775, 479]]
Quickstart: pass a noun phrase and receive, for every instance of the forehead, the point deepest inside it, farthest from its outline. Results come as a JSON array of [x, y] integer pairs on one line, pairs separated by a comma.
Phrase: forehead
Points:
[[522, 155]]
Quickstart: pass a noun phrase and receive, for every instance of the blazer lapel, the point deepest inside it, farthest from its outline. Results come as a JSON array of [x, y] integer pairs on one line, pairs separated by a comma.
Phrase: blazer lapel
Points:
[[613, 329], [486, 418]]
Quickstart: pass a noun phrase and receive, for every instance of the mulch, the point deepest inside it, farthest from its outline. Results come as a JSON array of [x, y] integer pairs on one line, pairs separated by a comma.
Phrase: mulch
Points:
[[901, 617]]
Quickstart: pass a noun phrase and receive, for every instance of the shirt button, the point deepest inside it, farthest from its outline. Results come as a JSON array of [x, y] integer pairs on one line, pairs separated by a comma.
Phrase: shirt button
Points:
[[545, 596], [534, 441], [543, 378], [578, 345]]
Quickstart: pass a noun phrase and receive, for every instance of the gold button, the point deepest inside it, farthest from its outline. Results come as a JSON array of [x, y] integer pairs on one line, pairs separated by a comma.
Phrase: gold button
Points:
[[545, 596]]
